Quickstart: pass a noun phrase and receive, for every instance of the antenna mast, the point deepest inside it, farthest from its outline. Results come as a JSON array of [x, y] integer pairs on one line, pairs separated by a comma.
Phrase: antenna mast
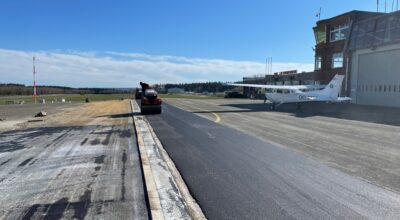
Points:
[[34, 80], [385, 6], [392, 5], [268, 66], [319, 14], [377, 6]]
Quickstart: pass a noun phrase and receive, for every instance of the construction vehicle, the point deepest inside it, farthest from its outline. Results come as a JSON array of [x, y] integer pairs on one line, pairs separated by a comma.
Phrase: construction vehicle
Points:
[[150, 103]]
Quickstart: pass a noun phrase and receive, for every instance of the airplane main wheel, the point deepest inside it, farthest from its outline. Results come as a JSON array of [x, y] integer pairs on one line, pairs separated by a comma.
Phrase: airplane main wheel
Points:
[[273, 106], [298, 106]]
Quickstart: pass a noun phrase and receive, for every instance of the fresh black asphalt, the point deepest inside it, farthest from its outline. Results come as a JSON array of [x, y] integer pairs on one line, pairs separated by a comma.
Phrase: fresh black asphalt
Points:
[[235, 176]]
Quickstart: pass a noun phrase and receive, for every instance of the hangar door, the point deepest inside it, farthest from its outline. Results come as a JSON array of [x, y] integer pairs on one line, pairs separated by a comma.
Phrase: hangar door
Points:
[[378, 78]]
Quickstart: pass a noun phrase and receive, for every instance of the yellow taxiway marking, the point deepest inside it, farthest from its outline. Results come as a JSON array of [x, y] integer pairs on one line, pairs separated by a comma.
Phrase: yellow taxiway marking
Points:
[[217, 117]]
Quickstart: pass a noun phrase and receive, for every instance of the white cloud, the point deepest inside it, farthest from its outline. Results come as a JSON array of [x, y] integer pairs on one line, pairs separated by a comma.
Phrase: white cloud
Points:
[[114, 69]]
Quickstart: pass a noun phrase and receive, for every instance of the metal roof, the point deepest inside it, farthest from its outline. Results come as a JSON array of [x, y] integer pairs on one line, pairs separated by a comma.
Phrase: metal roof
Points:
[[376, 31]]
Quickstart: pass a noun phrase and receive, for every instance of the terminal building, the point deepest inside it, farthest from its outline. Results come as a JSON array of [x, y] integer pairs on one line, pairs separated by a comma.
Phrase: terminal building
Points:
[[363, 46], [331, 36]]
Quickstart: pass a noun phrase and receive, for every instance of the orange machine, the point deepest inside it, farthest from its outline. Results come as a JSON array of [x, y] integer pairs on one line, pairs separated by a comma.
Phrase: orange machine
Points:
[[150, 103]]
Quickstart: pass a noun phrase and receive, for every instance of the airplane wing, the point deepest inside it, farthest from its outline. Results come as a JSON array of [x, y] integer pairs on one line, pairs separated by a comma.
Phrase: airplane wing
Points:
[[278, 87], [253, 85]]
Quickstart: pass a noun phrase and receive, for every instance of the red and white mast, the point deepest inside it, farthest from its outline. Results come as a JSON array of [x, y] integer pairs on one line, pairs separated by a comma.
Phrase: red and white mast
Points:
[[34, 80]]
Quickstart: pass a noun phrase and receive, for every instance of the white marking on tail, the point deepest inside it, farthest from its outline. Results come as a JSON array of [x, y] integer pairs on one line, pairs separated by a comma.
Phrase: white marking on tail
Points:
[[332, 90]]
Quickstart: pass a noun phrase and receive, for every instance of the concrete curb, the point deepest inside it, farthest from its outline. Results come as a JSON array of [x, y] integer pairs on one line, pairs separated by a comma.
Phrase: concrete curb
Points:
[[194, 208], [156, 209], [152, 194]]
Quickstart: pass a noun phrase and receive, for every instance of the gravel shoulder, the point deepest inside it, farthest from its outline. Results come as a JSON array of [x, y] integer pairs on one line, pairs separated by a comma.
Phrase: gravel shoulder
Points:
[[17, 116], [81, 162]]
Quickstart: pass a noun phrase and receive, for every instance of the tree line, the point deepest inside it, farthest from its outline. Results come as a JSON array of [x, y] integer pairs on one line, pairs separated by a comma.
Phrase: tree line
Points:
[[211, 87], [7, 89]]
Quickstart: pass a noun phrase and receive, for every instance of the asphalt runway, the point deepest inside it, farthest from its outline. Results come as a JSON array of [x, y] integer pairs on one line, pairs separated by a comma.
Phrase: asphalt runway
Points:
[[234, 175], [362, 141], [87, 171]]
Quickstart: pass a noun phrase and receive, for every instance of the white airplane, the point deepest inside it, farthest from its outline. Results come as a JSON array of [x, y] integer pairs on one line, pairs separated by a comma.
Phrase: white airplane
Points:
[[279, 95]]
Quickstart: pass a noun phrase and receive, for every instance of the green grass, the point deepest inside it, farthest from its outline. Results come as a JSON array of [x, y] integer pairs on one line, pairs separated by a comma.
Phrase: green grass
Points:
[[67, 97], [97, 97], [191, 96]]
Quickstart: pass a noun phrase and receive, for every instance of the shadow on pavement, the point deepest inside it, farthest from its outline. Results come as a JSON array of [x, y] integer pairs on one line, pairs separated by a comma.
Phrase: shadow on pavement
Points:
[[125, 115]]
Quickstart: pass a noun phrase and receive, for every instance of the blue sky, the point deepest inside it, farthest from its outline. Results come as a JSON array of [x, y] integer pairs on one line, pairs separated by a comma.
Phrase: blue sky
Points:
[[241, 33]]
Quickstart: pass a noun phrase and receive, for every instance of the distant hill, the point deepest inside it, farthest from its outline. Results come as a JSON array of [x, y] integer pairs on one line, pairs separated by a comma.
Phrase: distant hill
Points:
[[7, 89]]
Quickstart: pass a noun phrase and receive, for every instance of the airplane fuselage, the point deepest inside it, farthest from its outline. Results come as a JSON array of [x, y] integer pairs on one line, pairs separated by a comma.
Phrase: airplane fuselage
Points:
[[289, 96], [302, 93]]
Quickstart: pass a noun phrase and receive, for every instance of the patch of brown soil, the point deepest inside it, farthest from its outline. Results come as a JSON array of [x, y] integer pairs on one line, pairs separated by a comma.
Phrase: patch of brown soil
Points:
[[96, 113]]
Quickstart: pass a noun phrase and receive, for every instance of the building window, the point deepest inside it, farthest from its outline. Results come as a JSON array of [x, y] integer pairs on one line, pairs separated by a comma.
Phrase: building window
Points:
[[339, 32], [320, 34], [337, 60], [318, 62]]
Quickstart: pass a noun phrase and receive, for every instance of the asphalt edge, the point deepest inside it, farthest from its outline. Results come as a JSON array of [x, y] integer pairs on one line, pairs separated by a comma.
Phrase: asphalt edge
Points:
[[193, 207], [151, 190]]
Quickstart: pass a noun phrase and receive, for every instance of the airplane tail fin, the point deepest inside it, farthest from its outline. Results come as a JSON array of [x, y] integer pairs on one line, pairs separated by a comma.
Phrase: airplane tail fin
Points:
[[334, 87]]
